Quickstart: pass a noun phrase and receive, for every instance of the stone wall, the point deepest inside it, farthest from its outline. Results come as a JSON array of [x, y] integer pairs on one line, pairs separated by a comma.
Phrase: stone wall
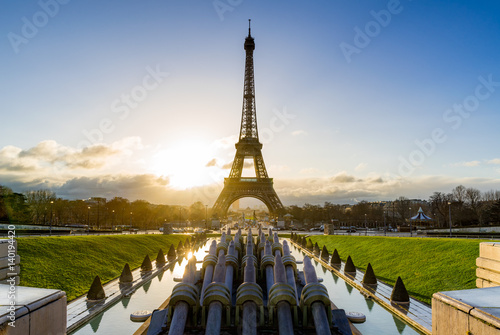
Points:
[[488, 265], [9, 261]]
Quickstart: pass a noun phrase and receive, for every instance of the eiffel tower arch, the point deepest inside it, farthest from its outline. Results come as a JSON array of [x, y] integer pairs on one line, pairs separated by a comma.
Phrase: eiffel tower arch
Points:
[[261, 186]]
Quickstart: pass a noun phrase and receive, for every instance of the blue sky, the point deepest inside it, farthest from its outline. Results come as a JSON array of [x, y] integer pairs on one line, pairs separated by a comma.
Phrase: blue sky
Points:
[[356, 100]]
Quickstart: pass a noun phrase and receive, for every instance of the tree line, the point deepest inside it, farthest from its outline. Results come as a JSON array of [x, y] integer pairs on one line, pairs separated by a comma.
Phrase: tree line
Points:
[[466, 206]]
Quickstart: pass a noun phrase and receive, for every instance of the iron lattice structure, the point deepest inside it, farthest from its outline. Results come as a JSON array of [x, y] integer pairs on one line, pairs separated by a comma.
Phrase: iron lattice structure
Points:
[[248, 146]]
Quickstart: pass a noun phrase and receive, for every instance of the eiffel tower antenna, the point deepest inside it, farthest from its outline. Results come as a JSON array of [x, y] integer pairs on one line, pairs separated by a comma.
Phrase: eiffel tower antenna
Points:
[[248, 146]]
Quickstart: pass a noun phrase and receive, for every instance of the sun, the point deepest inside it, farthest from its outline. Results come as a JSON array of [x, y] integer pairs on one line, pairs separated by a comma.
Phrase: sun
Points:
[[185, 164]]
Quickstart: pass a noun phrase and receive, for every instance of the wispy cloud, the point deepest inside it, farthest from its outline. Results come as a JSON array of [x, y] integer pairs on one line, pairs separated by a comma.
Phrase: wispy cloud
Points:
[[360, 167], [298, 132], [495, 161], [468, 164]]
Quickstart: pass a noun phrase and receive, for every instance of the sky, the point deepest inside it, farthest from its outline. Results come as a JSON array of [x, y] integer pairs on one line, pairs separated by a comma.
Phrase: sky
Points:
[[356, 100]]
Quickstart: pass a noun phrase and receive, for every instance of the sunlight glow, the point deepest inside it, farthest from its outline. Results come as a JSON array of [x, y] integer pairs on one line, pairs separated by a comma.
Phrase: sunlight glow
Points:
[[185, 164]]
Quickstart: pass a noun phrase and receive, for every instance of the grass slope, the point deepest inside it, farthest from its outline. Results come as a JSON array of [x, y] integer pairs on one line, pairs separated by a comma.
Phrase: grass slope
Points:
[[425, 265], [71, 263]]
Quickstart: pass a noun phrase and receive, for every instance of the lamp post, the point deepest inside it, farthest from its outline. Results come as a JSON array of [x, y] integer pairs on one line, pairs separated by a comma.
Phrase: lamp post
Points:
[[411, 232], [366, 226], [113, 225], [385, 226], [206, 216], [50, 227], [88, 219], [449, 211], [98, 210]]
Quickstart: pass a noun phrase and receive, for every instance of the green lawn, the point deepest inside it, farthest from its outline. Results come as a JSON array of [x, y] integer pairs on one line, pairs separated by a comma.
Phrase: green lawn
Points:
[[70, 263], [425, 265]]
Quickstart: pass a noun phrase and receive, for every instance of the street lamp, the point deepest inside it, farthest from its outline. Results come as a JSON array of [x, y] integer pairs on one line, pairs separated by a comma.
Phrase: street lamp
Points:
[[206, 216], [51, 205], [449, 211], [411, 232], [88, 219], [113, 211], [366, 227], [385, 226]]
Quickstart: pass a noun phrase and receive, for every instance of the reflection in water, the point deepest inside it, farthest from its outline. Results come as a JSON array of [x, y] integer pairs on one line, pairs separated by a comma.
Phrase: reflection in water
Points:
[[369, 303], [146, 286], [160, 276], [96, 322], [125, 302], [400, 325], [349, 288], [335, 277]]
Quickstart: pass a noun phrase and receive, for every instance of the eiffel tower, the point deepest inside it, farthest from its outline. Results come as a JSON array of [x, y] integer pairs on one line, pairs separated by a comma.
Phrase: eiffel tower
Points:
[[248, 146]]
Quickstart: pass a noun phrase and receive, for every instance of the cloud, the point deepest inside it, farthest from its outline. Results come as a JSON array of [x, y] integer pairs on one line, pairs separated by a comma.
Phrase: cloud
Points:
[[298, 132], [212, 162], [495, 161], [225, 142], [360, 167], [49, 153], [468, 164], [309, 171]]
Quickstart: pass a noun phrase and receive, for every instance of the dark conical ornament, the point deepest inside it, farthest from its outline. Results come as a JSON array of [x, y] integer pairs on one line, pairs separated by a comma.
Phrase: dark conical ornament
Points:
[[126, 276], [316, 249], [96, 291], [399, 293], [309, 245], [335, 261], [324, 254], [146, 265], [349, 266], [160, 258], [369, 277], [171, 255]]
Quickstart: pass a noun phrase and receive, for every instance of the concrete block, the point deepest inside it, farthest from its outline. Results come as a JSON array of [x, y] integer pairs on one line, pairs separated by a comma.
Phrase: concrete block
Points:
[[22, 327], [51, 319], [7, 272], [489, 264], [488, 275], [475, 311], [490, 250], [480, 283], [4, 247], [5, 282], [4, 261], [44, 309]]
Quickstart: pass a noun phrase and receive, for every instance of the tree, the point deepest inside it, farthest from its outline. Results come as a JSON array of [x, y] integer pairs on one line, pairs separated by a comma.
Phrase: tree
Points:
[[402, 207], [439, 206], [13, 206], [39, 204], [197, 211]]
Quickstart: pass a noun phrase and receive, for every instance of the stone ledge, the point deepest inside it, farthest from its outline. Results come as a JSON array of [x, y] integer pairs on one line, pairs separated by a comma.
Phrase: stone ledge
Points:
[[482, 283], [475, 310], [5, 261], [489, 264], [4, 247], [490, 250], [488, 275], [42, 311]]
